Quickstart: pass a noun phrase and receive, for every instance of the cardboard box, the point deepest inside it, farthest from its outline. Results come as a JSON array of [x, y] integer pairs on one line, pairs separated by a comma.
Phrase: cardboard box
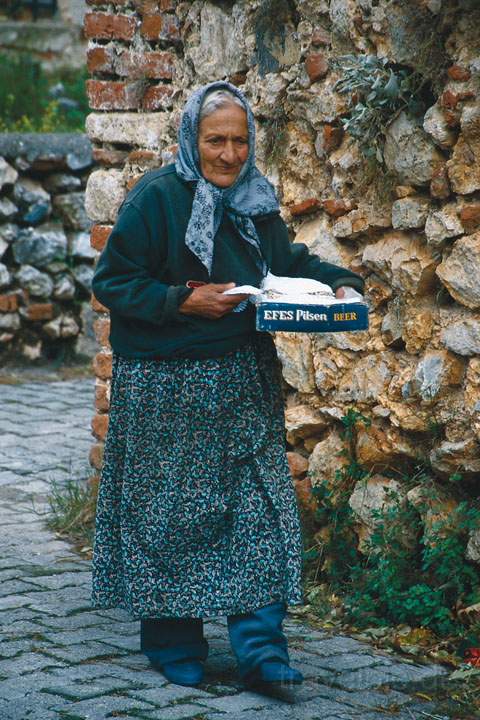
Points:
[[290, 317]]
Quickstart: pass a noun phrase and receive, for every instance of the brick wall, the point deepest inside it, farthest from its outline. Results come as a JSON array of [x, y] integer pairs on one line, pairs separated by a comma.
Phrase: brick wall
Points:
[[134, 50]]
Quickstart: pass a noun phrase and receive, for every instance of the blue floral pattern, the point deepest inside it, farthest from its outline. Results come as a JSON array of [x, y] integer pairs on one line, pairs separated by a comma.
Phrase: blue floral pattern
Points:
[[196, 513]]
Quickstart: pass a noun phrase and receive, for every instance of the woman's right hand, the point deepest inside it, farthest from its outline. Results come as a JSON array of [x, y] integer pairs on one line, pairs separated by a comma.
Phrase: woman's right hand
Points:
[[210, 302]]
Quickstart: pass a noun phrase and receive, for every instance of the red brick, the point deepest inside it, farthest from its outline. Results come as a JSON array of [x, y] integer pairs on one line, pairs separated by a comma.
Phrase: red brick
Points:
[[157, 97], [97, 305], [439, 184], [39, 311], [303, 491], [470, 217], [332, 137], [452, 117], [107, 157], [144, 160], [150, 7], [102, 403], [336, 208], [100, 59], [297, 463], [99, 236], [321, 37], [305, 207], [238, 78], [316, 66], [93, 482], [102, 365], [155, 65], [113, 95], [456, 72], [132, 181], [104, 26], [95, 456], [8, 302], [160, 27], [450, 100], [101, 328], [100, 426]]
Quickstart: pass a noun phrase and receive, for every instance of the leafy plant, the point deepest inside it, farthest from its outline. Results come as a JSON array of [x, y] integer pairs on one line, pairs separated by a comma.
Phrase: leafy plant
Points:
[[379, 91], [71, 511], [409, 572], [25, 103]]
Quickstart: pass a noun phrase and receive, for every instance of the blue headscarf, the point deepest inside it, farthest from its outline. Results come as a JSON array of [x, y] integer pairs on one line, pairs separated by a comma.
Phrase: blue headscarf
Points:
[[250, 196]]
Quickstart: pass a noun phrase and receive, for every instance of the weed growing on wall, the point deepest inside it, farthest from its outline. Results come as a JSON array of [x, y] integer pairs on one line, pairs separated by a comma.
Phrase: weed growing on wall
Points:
[[412, 569], [378, 92]]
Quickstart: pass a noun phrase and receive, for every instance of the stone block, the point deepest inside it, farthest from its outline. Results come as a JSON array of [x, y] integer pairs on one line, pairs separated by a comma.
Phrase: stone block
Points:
[[460, 270], [104, 195], [144, 130]]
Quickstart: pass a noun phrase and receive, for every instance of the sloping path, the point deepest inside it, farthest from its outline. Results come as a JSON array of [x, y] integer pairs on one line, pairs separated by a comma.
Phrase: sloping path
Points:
[[61, 660]]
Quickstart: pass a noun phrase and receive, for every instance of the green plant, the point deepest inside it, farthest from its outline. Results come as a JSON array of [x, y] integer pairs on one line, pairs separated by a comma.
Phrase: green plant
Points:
[[25, 104], [412, 570], [71, 511], [379, 91]]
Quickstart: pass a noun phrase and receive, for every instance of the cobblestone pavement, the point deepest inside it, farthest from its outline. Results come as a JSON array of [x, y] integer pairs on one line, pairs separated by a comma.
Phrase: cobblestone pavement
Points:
[[59, 659]]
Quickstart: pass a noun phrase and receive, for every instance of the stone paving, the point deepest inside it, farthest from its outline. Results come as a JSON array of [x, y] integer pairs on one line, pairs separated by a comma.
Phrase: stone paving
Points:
[[62, 660]]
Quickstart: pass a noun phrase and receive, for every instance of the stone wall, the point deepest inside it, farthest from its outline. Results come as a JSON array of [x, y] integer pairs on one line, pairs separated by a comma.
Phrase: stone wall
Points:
[[412, 228], [46, 260]]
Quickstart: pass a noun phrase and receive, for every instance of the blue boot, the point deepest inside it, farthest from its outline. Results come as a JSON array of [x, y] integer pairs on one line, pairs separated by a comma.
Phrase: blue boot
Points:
[[176, 647], [260, 646]]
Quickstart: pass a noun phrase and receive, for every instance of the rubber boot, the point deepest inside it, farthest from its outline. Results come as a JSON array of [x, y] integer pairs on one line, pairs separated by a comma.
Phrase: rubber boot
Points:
[[176, 646], [260, 646]]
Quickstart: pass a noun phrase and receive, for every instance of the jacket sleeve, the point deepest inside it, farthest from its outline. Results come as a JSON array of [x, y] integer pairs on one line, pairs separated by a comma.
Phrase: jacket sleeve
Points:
[[295, 260], [123, 280]]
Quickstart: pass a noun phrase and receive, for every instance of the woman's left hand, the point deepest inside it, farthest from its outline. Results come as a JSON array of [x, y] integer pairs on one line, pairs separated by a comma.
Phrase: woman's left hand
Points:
[[340, 291]]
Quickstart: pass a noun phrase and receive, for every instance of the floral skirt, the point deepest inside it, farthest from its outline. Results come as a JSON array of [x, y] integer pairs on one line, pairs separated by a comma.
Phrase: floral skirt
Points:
[[196, 512]]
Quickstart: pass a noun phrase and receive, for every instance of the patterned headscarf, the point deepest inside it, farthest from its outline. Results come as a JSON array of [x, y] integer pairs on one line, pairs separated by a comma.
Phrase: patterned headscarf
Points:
[[251, 194]]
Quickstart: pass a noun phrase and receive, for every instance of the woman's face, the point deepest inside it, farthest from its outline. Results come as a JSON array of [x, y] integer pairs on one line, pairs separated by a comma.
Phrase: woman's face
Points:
[[223, 144]]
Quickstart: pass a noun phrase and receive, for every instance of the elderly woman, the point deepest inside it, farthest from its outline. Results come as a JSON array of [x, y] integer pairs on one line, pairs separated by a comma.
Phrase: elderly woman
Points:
[[197, 515]]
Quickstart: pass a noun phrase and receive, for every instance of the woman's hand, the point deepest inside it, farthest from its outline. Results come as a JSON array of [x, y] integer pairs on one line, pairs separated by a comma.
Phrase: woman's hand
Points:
[[208, 301], [340, 291]]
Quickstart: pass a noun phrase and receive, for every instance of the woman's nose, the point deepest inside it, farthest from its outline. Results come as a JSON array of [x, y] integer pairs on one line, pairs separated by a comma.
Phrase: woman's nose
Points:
[[228, 153]]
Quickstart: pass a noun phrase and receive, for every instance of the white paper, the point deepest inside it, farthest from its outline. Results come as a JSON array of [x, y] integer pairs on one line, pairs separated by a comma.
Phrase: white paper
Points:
[[302, 291]]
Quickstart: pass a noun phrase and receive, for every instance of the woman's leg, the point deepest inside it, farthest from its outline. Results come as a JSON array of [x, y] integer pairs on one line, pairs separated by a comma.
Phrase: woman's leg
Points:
[[165, 640], [257, 639]]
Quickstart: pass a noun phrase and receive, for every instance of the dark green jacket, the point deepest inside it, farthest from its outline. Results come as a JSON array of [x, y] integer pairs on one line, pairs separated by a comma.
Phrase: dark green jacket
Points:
[[141, 273]]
